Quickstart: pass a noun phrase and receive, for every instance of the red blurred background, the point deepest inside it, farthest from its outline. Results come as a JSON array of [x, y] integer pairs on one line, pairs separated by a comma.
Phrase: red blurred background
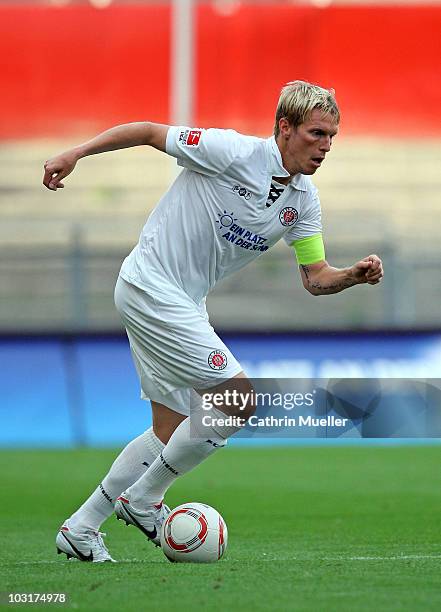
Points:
[[73, 69]]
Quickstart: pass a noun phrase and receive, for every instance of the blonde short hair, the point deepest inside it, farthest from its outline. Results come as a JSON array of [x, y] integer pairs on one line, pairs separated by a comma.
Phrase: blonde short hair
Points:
[[299, 98]]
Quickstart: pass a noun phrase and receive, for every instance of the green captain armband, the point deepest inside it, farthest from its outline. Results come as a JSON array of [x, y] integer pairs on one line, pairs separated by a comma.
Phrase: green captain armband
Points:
[[309, 250]]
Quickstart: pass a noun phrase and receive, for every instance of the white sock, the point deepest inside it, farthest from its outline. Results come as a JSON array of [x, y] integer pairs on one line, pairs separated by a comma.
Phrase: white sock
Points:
[[184, 451], [130, 464]]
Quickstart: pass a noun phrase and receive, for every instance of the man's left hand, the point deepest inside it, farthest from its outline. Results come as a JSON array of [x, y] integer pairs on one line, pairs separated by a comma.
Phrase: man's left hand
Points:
[[368, 270]]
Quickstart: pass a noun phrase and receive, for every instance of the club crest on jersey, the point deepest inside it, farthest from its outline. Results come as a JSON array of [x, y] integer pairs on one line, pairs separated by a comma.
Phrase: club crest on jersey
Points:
[[288, 216], [190, 138], [244, 193], [217, 360]]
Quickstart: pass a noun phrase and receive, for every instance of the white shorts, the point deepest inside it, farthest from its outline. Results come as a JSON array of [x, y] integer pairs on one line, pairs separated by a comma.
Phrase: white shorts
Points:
[[174, 347]]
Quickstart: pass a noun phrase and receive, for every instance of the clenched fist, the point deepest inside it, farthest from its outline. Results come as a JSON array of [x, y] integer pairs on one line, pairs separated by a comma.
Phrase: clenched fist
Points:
[[368, 270]]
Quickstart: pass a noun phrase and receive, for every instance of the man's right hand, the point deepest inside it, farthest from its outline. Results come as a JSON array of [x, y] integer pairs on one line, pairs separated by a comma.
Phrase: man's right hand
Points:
[[57, 168]]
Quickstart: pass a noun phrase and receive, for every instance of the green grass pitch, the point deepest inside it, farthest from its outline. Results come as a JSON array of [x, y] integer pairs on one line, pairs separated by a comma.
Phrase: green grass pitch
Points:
[[310, 528]]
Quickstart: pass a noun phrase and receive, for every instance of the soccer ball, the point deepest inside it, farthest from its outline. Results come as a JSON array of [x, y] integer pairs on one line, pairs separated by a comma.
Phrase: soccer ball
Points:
[[194, 533]]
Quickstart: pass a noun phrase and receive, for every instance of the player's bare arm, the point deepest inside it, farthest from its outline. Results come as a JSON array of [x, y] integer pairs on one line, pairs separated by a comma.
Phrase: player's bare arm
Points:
[[118, 137], [322, 279]]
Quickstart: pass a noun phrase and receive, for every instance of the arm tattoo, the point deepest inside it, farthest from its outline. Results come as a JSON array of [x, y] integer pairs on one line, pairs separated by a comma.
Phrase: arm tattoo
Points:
[[326, 289], [331, 287], [305, 270]]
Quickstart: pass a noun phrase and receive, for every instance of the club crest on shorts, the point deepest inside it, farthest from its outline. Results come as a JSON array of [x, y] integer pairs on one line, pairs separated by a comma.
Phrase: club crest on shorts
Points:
[[288, 216], [217, 360]]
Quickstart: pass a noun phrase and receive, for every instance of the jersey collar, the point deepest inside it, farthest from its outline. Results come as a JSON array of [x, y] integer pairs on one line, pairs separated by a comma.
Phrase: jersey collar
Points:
[[275, 166]]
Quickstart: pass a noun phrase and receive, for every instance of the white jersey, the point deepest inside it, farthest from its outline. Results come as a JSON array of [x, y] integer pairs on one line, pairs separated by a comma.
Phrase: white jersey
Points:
[[221, 212]]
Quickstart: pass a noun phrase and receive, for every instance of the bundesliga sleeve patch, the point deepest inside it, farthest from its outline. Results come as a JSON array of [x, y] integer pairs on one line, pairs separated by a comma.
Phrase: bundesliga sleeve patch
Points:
[[190, 138], [217, 360]]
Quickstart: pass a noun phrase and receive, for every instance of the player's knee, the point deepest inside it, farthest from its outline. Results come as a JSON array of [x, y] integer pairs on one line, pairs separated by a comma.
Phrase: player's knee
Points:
[[246, 398], [247, 408], [235, 397], [239, 398]]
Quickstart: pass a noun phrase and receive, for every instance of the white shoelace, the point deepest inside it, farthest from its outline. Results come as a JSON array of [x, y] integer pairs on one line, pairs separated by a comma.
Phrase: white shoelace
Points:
[[98, 543]]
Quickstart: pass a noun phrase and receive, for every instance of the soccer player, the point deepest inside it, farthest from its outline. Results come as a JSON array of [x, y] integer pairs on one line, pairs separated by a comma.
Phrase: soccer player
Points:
[[236, 197]]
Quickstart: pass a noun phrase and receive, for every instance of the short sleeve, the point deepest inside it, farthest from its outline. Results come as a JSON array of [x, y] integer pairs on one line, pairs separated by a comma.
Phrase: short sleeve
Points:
[[310, 220], [209, 151]]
